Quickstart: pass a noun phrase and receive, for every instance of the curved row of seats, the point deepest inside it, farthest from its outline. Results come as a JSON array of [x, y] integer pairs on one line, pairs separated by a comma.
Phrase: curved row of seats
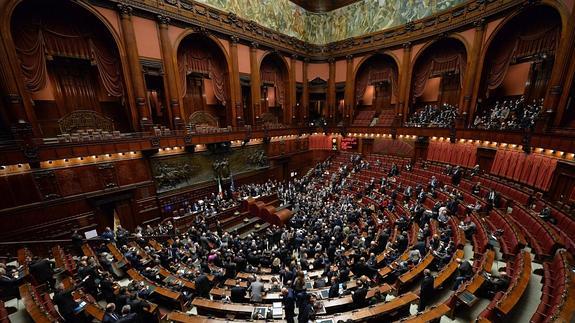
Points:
[[558, 294]]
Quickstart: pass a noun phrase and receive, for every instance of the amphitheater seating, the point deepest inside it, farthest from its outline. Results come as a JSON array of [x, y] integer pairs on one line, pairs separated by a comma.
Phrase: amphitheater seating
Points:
[[511, 240], [364, 118], [503, 302], [558, 298], [386, 118], [38, 305]]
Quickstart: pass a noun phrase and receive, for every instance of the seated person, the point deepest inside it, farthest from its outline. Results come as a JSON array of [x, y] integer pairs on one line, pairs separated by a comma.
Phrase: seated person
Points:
[[476, 189], [238, 294], [545, 215], [494, 284], [359, 295], [464, 272]]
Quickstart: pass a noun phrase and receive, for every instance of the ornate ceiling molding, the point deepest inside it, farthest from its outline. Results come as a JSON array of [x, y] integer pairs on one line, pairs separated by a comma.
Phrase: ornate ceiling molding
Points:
[[185, 13]]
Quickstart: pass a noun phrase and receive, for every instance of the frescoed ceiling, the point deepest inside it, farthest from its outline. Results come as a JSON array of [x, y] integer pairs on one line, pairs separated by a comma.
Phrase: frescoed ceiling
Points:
[[318, 6], [355, 19]]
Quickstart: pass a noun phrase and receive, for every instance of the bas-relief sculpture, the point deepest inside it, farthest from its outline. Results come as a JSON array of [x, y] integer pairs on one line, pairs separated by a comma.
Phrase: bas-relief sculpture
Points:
[[356, 19], [179, 171]]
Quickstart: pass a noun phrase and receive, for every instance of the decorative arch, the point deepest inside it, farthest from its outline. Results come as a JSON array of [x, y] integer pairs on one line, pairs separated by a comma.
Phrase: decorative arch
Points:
[[380, 70], [80, 35], [513, 42], [274, 77], [445, 58], [204, 69]]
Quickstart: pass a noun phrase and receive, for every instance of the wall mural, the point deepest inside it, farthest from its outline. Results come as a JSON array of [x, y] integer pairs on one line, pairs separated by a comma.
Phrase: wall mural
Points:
[[356, 19], [174, 172]]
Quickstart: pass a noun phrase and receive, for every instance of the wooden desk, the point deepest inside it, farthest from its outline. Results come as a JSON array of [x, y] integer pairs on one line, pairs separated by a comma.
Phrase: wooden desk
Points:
[[415, 271], [332, 304], [162, 291], [448, 270], [39, 313], [177, 316], [399, 303], [168, 275], [218, 308], [432, 314]]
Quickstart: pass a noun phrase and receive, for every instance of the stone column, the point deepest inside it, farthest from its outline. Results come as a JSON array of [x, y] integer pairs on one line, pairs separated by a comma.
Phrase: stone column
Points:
[[171, 72], [465, 108], [403, 102], [137, 77], [292, 91], [331, 101], [349, 90], [255, 83], [305, 90], [236, 89]]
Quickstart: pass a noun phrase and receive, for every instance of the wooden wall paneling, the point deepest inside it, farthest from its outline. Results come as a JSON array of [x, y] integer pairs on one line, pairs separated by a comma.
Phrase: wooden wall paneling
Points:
[[485, 157], [47, 185], [107, 175], [23, 189], [563, 182], [132, 171]]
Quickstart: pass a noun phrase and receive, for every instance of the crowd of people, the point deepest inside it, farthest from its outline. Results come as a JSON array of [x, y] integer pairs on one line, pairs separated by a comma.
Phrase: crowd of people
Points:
[[442, 116], [509, 115], [332, 230]]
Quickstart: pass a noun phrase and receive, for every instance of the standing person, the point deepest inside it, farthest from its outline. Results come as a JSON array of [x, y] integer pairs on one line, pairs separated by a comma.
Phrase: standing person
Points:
[[256, 290], [66, 304], [306, 310], [288, 300], [426, 292], [110, 316]]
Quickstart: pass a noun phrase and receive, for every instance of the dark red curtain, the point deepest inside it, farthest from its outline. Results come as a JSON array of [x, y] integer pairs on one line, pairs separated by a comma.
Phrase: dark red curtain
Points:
[[438, 61], [202, 59], [376, 71], [44, 36], [529, 41], [271, 73]]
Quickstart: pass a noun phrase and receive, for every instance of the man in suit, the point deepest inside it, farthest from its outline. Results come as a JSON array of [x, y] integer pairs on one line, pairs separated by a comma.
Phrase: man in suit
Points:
[[238, 294], [426, 291], [464, 272], [288, 300], [42, 271], [492, 199], [203, 286], [334, 288], [110, 316], [66, 304], [359, 295], [456, 175], [256, 290], [127, 317]]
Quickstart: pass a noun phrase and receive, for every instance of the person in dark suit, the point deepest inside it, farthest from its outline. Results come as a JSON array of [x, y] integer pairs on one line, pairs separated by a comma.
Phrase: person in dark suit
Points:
[[492, 199], [288, 300], [426, 291], [306, 310], [238, 294], [203, 286], [122, 298], [359, 295], [42, 271], [464, 272], [456, 175], [66, 304], [138, 307], [334, 288], [127, 316], [110, 316]]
